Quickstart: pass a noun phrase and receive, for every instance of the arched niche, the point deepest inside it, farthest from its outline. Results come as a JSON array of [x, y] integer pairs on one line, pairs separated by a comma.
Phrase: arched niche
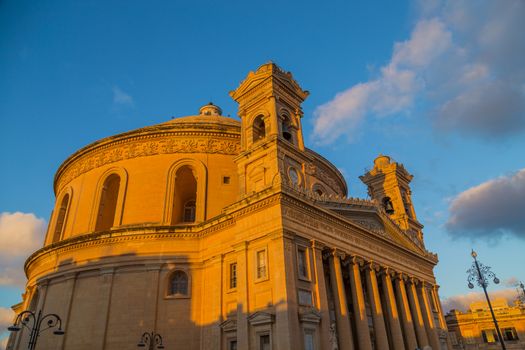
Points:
[[108, 204], [257, 127], [57, 226], [185, 192], [287, 128]]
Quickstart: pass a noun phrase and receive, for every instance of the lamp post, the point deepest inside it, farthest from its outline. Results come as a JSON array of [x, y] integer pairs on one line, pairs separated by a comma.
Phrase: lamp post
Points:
[[26, 317], [151, 339], [481, 274], [521, 293]]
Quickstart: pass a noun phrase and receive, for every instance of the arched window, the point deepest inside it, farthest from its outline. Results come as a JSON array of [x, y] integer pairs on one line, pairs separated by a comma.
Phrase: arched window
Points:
[[259, 129], [184, 204], [387, 205], [286, 128], [108, 203], [178, 283], [61, 218]]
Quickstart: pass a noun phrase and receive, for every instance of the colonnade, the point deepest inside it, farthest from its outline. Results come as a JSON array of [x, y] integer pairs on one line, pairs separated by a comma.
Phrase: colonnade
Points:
[[405, 312]]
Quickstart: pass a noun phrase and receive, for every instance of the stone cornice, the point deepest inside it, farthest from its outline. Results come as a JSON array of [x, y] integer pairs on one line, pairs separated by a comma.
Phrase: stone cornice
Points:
[[175, 138], [155, 232], [360, 238]]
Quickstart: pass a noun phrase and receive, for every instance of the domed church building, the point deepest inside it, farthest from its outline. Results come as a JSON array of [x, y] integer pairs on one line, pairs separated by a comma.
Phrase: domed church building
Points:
[[223, 234]]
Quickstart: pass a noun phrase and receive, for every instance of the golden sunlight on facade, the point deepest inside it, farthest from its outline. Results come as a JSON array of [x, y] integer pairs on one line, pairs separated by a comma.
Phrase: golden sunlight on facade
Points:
[[475, 329], [226, 234]]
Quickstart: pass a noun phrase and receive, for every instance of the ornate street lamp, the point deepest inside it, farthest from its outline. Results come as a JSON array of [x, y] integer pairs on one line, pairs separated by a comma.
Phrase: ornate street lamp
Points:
[[481, 274], [150, 340], [29, 317], [521, 293]]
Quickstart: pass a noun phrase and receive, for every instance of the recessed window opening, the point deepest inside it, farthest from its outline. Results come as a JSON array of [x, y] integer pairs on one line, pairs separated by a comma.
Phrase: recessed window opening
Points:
[[226, 180], [232, 345], [302, 263], [387, 205], [264, 342], [189, 211], [510, 334], [261, 264], [286, 129], [309, 341], [184, 203], [179, 283], [259, 129], [233, 275], [489, 335], [61, 218], [108, 203]]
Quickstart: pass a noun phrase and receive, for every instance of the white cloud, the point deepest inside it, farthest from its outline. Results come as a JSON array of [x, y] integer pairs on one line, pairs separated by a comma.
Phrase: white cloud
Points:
[[393, 91], [6, 317], [3, 342], [462, 302], [490, 210], [121, 98], [464, 59], [511, 282], [20, 235]]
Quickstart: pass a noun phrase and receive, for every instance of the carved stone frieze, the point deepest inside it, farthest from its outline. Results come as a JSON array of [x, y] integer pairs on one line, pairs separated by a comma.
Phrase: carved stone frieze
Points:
[[145, 148]]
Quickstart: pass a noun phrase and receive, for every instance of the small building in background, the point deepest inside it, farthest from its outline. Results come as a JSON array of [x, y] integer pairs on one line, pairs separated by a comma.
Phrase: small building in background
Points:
[[475, 328]]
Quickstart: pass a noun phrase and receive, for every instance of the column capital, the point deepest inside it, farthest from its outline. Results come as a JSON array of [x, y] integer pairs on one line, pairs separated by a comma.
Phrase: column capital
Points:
[[371, 265], [427, 285], [335, 252], [400, 276], [413, 280], [338, 253], [355, 260], [387, 271], [315, 244]]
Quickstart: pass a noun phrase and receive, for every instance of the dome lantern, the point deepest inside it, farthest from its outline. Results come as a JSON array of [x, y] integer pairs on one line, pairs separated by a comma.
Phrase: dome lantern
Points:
[[210, 109]]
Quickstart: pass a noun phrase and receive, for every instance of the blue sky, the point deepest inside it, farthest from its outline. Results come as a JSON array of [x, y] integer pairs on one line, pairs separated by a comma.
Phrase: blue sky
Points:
[[439, 87]]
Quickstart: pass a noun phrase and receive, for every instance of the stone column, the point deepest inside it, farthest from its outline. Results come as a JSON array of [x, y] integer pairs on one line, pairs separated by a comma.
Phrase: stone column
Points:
[[242, 296], [106, 292], [435, 296], [344, 332], [361, 320], [428, 316], [286, 333], [70, 282], [392, 314], [419, 324], [442, 320], [375, 304], [321, 300], [404, 310], [39, 291]]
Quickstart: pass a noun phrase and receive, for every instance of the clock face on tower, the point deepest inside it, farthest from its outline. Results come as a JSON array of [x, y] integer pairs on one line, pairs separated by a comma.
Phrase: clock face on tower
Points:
[[293, 175]]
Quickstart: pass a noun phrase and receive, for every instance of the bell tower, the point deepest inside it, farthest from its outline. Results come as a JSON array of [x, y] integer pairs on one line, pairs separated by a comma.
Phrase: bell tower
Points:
[[270, 110], [388, 183]]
